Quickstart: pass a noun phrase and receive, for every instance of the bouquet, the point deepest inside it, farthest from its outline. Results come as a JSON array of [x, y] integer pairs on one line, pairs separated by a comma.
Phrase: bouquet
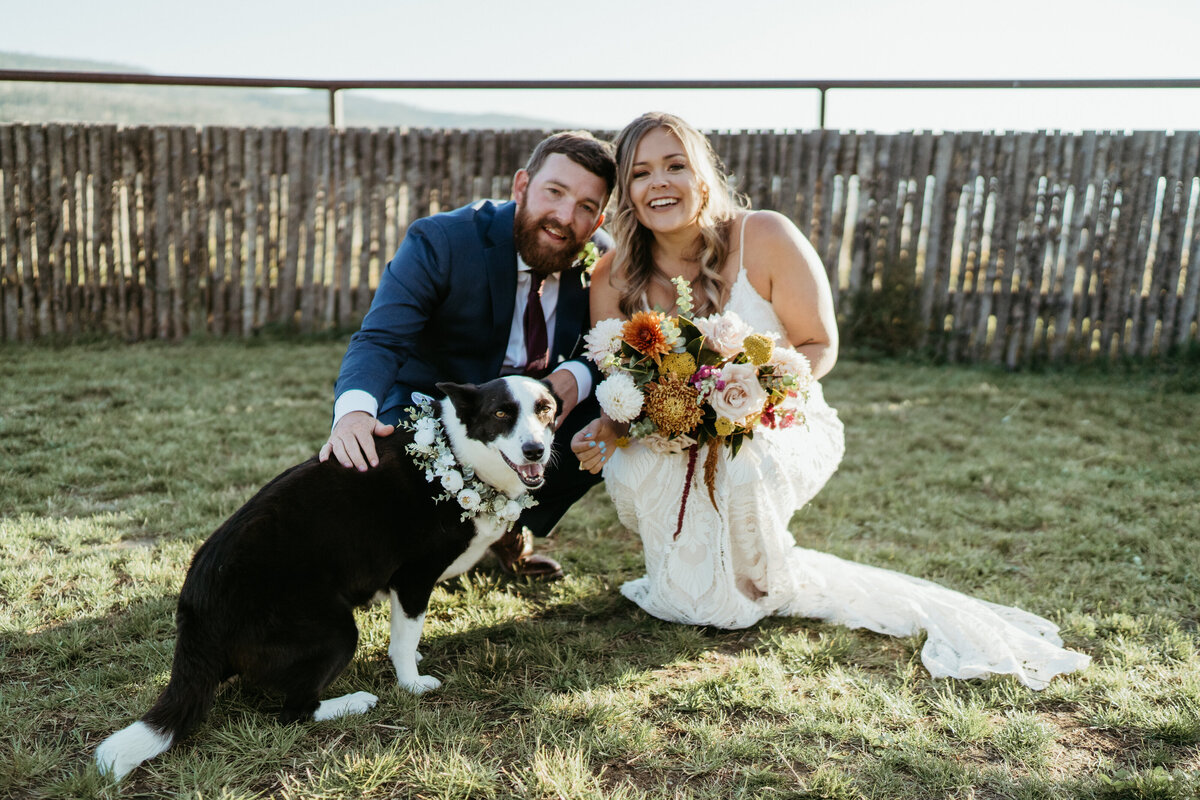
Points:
[[683, 382]]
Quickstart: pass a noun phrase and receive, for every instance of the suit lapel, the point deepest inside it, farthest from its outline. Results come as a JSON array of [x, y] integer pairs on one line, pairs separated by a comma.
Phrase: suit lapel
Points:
[[500, 254], [572, 311]]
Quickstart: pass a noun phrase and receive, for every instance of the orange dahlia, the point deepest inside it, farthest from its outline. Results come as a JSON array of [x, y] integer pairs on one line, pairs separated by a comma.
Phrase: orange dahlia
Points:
[[643, 332], [672, 404]]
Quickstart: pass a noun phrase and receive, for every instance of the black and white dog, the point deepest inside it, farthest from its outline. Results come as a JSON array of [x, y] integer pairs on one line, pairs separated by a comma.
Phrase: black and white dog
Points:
[[270, 595]]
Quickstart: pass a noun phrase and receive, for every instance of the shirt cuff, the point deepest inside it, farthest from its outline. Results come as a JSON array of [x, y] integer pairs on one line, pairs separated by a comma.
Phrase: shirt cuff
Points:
[[583, 378], [354, 400]]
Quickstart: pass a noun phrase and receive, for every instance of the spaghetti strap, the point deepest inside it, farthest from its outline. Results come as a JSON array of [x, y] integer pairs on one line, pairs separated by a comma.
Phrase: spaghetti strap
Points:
[[742, 244]]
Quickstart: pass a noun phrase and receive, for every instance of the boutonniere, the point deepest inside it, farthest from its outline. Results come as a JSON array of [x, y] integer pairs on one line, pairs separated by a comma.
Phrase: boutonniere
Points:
[[586, 260]]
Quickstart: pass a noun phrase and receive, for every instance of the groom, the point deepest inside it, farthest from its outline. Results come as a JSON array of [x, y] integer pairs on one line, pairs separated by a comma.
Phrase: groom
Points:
[[459, 302]]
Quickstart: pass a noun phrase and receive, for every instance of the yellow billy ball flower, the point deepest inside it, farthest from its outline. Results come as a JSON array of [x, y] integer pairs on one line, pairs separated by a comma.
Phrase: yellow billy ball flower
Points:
[[673, 405], [682, 365], [724, 427], [759, 349]]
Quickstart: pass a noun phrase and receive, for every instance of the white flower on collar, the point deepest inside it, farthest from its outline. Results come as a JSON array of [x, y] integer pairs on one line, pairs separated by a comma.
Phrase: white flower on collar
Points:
[[431, 453]]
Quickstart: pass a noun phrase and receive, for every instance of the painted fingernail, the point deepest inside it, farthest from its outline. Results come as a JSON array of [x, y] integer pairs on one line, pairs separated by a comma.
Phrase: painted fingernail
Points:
[[591, 444]]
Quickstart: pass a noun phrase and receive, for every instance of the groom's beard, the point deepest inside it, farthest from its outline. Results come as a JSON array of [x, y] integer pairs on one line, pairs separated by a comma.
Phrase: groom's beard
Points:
[[544, 258]]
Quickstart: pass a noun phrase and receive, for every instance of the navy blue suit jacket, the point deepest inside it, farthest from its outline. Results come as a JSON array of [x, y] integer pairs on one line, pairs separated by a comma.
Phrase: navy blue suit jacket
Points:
[[444, 307]]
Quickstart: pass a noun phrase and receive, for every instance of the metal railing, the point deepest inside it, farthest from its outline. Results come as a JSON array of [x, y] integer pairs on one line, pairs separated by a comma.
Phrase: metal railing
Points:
[[335, 86]]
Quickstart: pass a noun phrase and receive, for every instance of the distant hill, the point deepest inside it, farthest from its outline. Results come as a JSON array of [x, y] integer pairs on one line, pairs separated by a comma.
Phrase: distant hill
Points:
[[187, 105]]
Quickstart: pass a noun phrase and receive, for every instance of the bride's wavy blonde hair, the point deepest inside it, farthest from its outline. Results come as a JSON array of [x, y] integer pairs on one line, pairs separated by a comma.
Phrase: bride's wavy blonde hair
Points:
[[633, 240]]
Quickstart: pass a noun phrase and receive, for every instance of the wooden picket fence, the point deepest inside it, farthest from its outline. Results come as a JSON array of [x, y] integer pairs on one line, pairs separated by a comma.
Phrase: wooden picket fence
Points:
[[1007, 247]]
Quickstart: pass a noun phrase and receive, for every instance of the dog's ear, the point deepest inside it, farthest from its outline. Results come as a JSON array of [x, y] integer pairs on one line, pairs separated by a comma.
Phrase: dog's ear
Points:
[[462, 395]]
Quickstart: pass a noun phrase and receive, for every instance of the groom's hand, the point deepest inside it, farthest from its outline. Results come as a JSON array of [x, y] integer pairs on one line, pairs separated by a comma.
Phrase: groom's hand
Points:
[[565, 386], [352, 440]]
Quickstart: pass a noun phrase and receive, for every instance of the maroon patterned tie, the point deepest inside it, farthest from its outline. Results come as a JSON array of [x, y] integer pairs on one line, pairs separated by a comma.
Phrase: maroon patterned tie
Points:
[[537, 349]]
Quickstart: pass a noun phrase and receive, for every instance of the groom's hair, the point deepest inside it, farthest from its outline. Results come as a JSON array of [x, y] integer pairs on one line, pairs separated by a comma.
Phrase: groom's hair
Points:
[[595, 155]]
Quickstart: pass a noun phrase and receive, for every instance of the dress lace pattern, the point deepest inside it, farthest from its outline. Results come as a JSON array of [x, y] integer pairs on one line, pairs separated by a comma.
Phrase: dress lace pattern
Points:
[[737, 562]]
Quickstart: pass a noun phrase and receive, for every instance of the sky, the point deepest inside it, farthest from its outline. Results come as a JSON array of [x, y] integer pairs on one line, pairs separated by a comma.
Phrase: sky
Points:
[[675, 39]]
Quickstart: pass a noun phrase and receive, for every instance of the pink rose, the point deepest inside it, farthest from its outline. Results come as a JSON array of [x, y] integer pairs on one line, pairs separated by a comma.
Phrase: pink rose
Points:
[[723, 333], [742, 394]]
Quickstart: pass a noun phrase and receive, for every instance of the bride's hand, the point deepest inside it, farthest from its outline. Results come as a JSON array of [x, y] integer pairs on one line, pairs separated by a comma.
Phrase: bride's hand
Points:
[[594, 444]]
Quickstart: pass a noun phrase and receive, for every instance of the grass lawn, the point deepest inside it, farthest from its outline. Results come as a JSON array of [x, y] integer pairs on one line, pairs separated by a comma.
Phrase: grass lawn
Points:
[[1071, 494]]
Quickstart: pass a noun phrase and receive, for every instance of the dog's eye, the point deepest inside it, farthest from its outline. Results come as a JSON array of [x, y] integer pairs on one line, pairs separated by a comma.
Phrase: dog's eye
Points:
[[501, 415]]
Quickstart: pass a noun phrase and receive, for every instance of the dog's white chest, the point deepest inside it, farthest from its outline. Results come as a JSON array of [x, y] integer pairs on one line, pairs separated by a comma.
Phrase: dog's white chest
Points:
[[487, 531]]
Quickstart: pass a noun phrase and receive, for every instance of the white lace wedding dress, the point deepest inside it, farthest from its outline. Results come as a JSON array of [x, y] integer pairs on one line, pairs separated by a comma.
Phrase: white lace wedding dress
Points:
[[736, 563]]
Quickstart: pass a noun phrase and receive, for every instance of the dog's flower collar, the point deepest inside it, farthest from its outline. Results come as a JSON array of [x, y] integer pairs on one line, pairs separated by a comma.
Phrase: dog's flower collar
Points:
[[431, 452]]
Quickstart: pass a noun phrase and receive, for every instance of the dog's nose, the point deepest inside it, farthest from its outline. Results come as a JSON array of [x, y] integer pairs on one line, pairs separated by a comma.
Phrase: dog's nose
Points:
[[533, 451]]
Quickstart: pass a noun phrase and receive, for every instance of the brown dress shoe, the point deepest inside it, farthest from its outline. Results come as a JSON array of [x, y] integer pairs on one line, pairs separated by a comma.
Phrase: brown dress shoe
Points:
[[514, 552]]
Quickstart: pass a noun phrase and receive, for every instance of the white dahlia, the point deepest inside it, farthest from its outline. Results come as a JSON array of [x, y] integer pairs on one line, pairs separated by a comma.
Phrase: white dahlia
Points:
[[603, 341], [619, 397]]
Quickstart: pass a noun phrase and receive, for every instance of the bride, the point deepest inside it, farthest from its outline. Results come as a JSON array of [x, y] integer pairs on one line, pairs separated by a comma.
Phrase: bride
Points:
[[734, 560]]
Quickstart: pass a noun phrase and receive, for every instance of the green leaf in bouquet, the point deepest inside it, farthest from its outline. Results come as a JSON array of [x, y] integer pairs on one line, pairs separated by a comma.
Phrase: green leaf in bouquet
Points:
[[706, 357], [642, 374]]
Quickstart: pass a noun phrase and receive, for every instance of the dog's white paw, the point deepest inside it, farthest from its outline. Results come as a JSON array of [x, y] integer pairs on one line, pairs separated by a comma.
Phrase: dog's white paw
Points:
[[421, 684], [357, 703], [120, 753]]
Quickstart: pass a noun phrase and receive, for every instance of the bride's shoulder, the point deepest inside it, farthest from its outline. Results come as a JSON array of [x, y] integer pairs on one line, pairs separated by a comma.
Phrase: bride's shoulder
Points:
[[768, 226], [603, 269], [605, 272], [604, 288], [604, 264], [774, 240]]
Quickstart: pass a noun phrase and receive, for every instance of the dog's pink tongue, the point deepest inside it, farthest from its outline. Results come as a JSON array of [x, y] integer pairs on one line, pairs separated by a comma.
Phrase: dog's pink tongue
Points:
[[530, 472]]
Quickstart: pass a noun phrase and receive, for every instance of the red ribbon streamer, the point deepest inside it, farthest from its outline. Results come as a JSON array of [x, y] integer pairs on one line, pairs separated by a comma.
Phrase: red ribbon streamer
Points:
[[693, 451]]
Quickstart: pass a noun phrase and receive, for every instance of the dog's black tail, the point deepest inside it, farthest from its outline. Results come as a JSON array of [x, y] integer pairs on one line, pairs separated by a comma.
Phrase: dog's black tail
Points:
[[182, 705]]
